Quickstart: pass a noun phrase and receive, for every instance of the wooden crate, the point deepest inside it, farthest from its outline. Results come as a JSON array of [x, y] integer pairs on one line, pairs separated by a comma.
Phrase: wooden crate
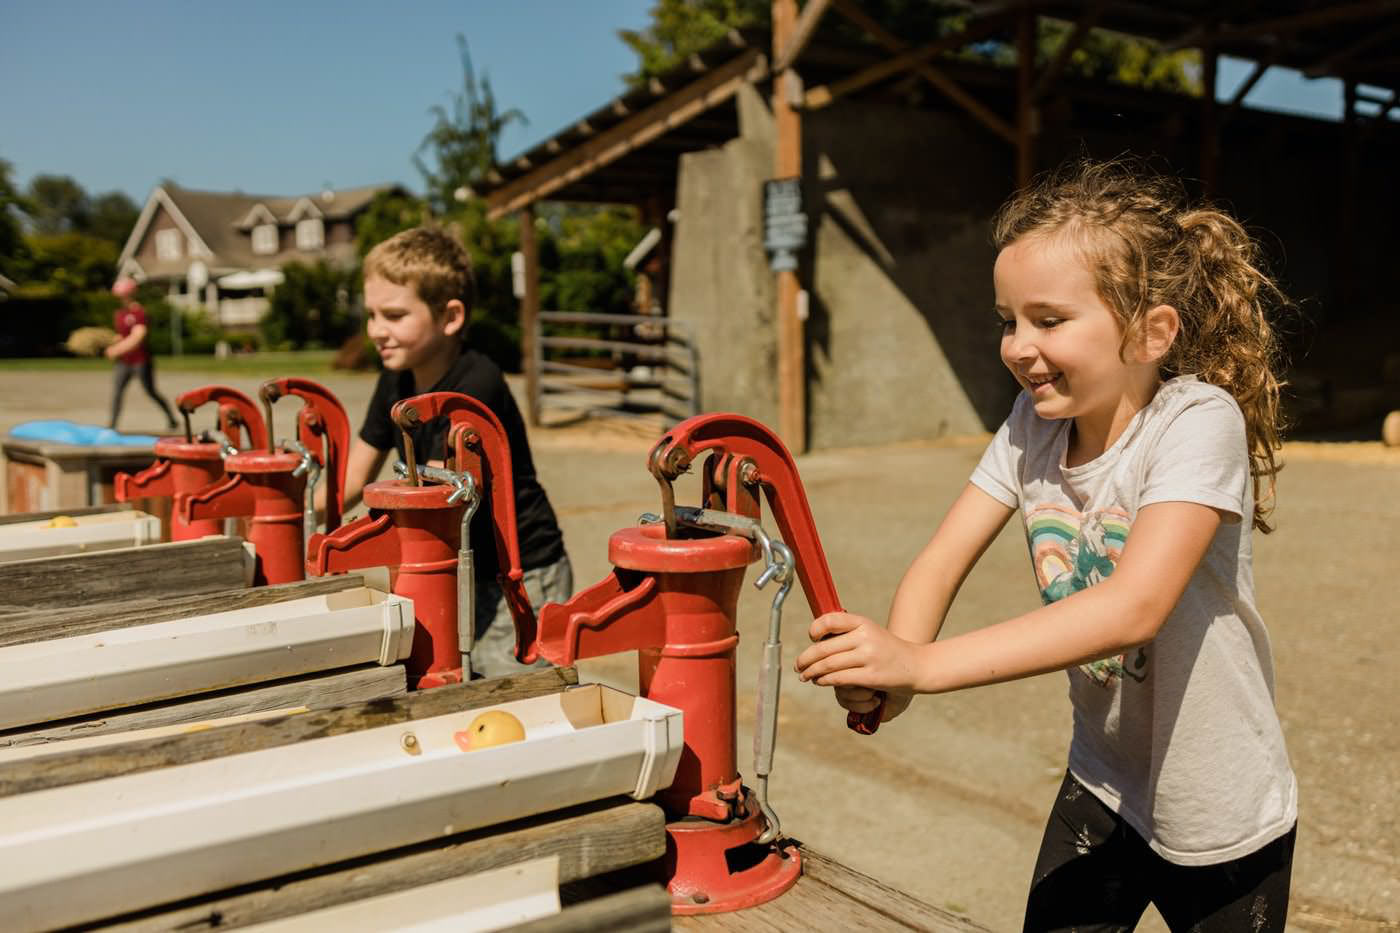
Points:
[[45, 477]]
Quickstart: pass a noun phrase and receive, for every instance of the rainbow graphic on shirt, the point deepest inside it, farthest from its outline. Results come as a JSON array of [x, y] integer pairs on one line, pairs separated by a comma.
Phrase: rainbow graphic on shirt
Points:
[[1071, 551]]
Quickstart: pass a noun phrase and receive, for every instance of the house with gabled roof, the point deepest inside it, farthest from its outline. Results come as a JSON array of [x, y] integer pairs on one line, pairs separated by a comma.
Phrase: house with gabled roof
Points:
[[224, 251]]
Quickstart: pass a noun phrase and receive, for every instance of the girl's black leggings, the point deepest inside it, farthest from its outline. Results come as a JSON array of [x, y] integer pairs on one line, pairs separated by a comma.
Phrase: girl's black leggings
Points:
[[1095, 873]]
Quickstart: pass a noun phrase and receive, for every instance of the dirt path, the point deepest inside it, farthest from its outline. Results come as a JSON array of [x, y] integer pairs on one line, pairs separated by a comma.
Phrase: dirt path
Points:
[[948, 801]]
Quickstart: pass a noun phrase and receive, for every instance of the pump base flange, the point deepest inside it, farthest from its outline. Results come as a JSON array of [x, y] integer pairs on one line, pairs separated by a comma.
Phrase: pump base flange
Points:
[[718, 867]]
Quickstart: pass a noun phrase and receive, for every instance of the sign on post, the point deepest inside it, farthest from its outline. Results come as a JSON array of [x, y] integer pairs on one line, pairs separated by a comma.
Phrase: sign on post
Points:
[[784, 223]]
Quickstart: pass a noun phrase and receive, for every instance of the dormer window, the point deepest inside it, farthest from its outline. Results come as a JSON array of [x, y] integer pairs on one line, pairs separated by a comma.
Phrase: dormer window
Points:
[[311, 234], [168, 245], [265, 239]]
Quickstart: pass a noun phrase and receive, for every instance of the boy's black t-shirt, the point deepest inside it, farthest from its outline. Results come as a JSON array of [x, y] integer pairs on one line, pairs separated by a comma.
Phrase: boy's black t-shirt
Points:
[[541, 542]]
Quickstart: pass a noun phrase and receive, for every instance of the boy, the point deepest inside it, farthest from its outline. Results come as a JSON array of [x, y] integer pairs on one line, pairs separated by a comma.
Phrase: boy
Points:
[[418, 297]]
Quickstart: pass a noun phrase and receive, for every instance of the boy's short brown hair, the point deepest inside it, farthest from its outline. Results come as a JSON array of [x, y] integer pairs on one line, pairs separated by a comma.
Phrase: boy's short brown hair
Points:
[[431, 261]]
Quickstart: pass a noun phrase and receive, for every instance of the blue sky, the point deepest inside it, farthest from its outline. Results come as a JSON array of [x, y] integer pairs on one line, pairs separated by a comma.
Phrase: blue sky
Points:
[[285, 97]]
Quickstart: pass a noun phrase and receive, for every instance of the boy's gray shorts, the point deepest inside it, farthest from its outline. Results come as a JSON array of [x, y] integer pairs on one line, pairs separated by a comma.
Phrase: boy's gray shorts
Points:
[[494, 652]]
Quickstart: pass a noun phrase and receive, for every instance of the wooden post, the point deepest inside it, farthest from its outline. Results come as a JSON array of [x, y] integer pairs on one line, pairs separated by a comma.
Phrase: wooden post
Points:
[[792, 394], [530, 314], [1210, 121], [1025, 98], [1351, 171]]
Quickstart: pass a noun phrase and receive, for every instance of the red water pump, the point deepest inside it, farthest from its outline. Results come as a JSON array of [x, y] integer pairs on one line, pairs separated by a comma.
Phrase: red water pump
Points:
[[420, 531], [185, 465], [672, 596], [272, 487]]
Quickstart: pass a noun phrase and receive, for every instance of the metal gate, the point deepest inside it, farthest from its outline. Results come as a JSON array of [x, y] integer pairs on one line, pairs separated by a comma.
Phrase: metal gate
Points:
[[627, 364]]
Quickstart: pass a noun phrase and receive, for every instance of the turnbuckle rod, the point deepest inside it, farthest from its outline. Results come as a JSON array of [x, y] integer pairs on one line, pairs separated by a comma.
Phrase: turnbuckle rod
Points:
[[311, 468], [780, 565]]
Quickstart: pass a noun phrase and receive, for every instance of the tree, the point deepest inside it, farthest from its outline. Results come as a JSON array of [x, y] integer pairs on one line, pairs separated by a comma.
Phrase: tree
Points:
[[389, 213], [58, 204], [463, 143], [311, 308], [111, 217], [12, 246], [680, 28]]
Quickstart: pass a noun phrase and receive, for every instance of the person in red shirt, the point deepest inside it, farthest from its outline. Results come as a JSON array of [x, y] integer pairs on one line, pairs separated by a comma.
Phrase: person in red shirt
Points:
[[130, 352]]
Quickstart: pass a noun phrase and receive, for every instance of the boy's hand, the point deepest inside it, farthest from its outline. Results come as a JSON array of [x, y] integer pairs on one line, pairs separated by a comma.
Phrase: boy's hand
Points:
[[852, 651], [863, 700]]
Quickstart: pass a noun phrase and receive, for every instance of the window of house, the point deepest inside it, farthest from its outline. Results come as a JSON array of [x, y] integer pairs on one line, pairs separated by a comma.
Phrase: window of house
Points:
[[311, 234], [168, 244], [265, 239]]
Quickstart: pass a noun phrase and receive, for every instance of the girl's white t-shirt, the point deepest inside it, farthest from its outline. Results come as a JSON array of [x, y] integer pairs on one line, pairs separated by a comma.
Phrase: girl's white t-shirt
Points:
[[1178, 736]]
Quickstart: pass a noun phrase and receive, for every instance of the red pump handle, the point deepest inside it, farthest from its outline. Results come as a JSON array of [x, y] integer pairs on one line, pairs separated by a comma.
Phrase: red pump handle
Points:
[[323, 429], [492, 473], [741, 436], [236, 411]]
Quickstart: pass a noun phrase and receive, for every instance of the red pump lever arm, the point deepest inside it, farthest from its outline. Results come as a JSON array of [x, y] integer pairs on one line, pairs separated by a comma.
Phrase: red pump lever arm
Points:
[[743, 437], [323, 429], [494, 477], [235, 410]]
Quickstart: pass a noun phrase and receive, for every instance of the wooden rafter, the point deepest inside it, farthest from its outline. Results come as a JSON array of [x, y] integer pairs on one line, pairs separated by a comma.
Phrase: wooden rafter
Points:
[[802, 34], [607, 146], [1331, 62], [1072, 42], [1237, 100], [946, 85], [906, 60], [1325, 15]]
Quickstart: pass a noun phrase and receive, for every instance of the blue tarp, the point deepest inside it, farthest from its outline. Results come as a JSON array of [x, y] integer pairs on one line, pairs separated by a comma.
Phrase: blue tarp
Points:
[[84, 435]]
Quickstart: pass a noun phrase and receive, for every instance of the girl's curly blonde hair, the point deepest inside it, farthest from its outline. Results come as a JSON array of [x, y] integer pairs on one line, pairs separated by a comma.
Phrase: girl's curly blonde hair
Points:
[[1149, 246]]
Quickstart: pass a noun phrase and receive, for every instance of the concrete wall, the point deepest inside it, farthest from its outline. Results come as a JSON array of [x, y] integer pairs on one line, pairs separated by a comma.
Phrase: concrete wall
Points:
[[720, 283], [900, 339]]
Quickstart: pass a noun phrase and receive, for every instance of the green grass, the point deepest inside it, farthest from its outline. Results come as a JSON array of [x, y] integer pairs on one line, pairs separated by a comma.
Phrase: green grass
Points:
[[269, 364]]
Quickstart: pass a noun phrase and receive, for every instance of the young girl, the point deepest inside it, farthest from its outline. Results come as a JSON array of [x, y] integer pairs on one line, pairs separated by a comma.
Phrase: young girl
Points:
[[1136, 327]]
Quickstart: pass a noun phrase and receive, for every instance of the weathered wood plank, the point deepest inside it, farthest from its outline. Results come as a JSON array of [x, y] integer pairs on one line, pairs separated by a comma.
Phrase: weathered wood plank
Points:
[[176, 569], [21, 627], [831, 896], [645, 909], [74, 767], [594, 838], [880, 897], [323, 690]]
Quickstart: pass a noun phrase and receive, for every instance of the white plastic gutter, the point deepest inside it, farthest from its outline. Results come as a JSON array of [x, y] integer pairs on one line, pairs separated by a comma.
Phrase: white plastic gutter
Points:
[[88, 851], [100, 532], [48, 680]]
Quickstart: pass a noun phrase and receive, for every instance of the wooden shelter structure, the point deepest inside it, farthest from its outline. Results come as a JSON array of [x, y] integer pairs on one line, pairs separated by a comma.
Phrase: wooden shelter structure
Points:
[[628, 150]]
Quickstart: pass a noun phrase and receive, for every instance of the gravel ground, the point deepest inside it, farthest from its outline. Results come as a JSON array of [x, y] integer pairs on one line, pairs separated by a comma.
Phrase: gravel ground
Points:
[[948, 802]]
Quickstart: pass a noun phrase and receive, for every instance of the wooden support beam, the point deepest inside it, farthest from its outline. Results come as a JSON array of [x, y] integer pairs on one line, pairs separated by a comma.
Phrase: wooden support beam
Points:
[[904, 61], [63, 768], [1072, 42], [1210, 123], [609, 145], [802, 33], [792, 368], [156, 570], [530, 313], [1237, 99], [1026, 114], [593, 839], [30, 625], [311, 691], [949, 87], [1375, 37]]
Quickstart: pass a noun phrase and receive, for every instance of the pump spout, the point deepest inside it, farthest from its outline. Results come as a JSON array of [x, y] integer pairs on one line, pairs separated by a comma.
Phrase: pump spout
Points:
[[157, 480], [230, 497]]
